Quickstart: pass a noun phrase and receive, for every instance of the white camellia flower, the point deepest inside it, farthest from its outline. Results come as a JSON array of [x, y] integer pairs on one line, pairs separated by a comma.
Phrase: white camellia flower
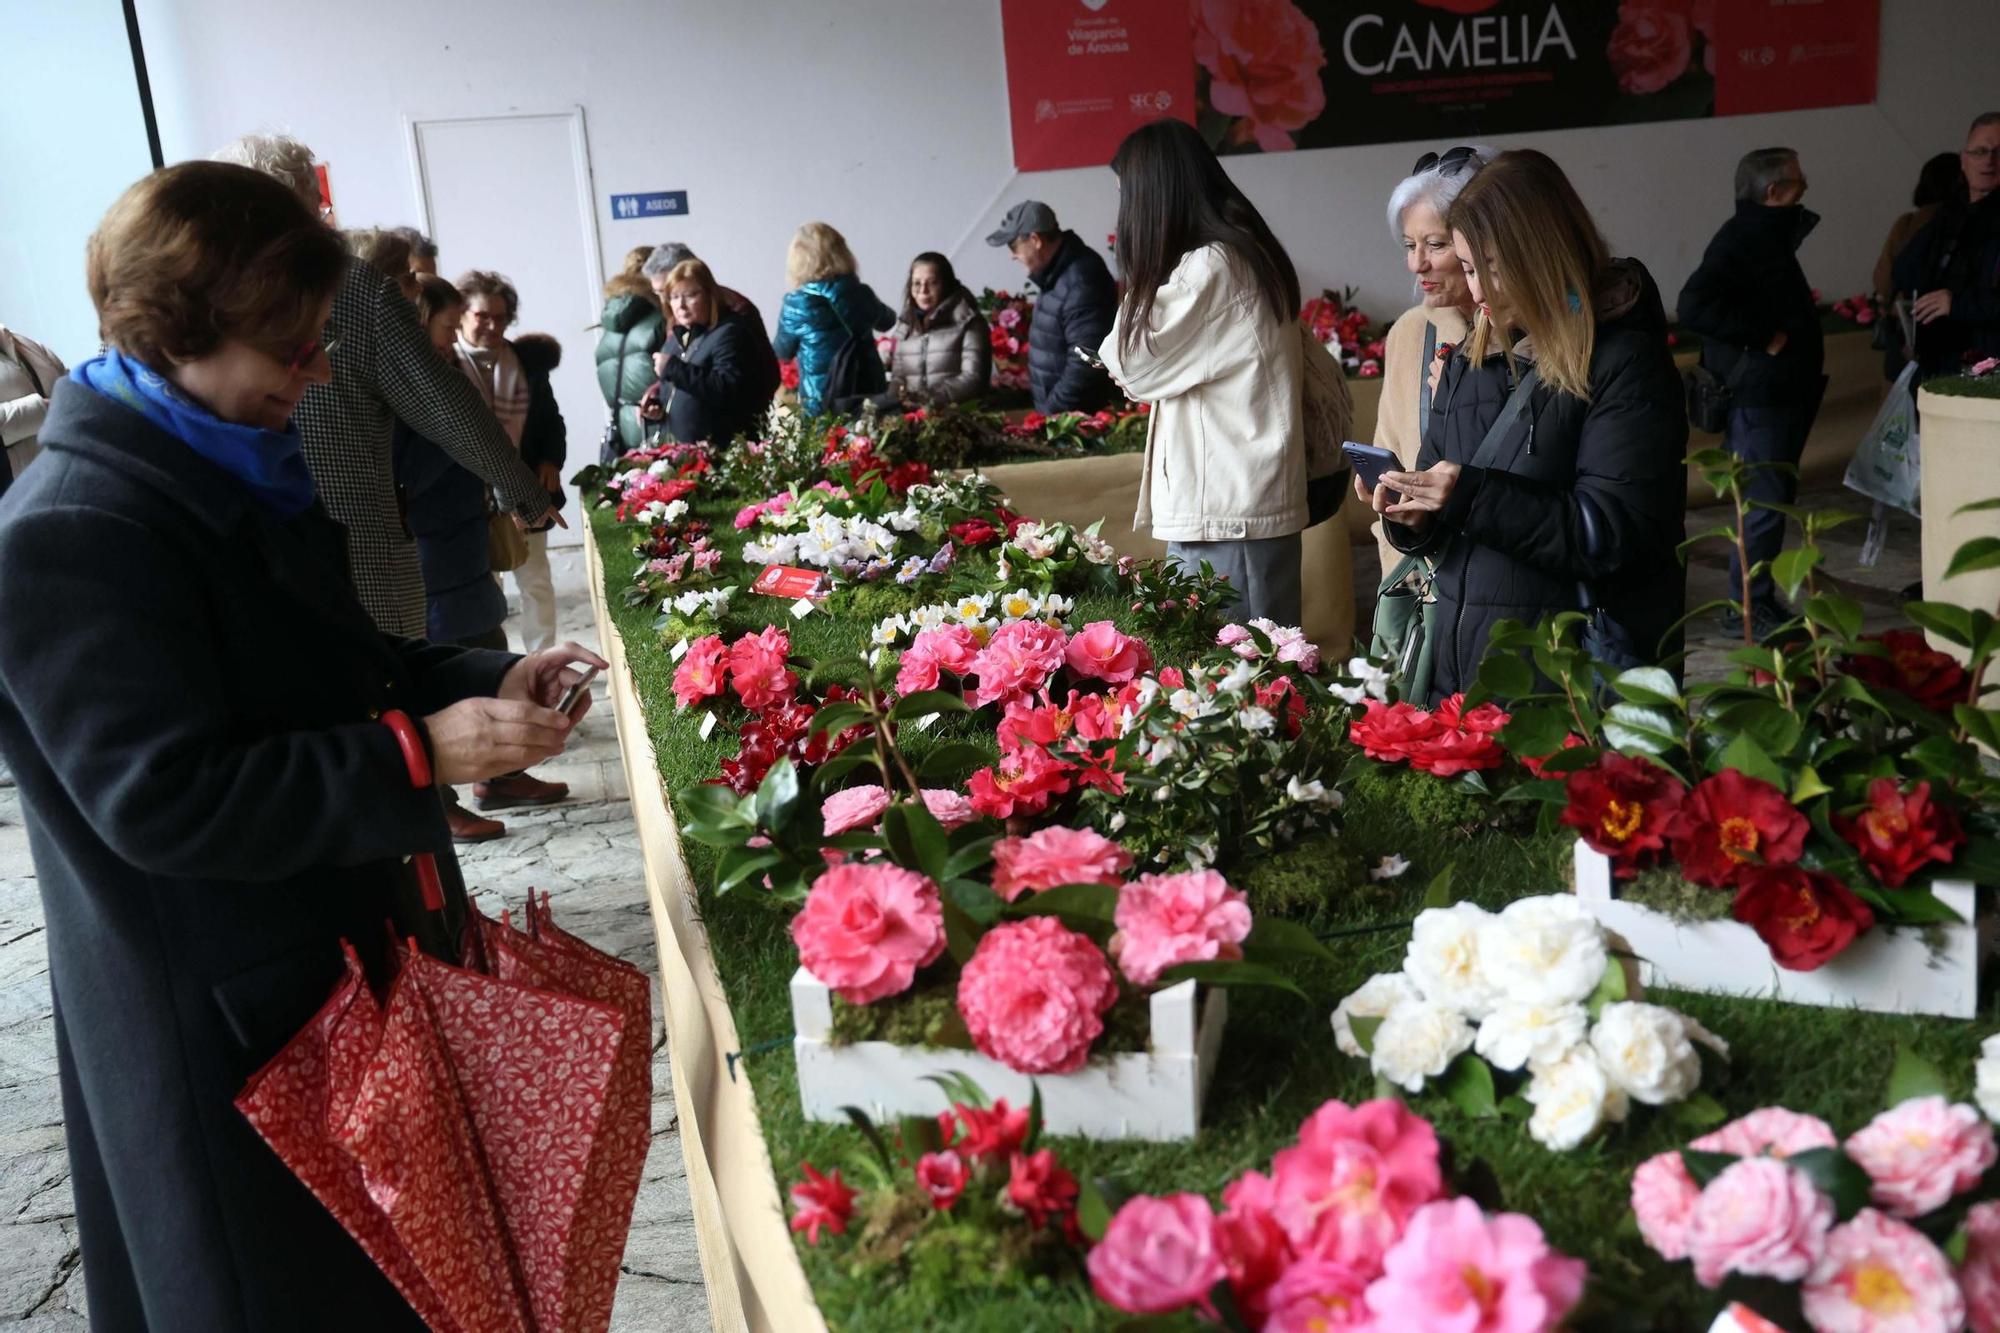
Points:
[[1019, 604], [1390, 867], [1376, 997], [1059, 607], [1186, 702], [1543, 951], [1443, 958], [1313, 793], [1370, 682], [1163, 749], [974, 607], [672, 513], [1515, 1036], [1240, 678], [1418, 1040], [1256, 720], [1986, 1075], [1573, 1098], [687, 603], [1648, 1051]]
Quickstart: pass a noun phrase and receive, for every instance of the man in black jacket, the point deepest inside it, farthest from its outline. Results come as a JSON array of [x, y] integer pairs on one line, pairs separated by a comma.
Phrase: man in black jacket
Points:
[[1074, 309], [1753, 308], [1952, 266]]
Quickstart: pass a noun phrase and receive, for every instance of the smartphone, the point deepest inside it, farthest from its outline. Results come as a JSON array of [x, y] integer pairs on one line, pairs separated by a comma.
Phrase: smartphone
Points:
[[1370, 462], [1088, 357], [574, 694]]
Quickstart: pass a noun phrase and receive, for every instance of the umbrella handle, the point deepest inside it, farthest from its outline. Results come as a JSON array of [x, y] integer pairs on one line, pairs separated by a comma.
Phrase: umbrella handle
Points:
[[418, 761]]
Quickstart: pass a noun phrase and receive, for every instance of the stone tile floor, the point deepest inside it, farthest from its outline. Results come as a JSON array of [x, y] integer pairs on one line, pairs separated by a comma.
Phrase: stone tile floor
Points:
[[585, 852]]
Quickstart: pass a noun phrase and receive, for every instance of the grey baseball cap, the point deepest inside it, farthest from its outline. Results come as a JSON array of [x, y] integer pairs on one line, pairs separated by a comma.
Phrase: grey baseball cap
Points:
[[1024, 219]]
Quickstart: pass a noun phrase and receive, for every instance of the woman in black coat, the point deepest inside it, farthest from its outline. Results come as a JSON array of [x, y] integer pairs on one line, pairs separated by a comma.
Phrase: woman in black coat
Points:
[[1581, 499], [709, 387], [209, 736]]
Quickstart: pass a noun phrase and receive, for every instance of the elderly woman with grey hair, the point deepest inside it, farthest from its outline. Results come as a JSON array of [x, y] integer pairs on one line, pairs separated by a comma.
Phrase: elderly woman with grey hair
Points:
[[1442, 315]]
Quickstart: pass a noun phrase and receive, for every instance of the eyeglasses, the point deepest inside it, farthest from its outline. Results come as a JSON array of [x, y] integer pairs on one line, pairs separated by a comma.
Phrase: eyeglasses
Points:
[[303, 357], [1445, 164], [1990, 153]]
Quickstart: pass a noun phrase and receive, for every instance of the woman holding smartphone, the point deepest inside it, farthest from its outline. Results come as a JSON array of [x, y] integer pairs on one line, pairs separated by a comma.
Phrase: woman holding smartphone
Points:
[[1551, 475], [1205, 333]]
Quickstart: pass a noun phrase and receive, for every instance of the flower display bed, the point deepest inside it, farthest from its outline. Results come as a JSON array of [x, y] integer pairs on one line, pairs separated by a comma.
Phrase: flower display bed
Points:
[[1934, 970], [1155, 1094]]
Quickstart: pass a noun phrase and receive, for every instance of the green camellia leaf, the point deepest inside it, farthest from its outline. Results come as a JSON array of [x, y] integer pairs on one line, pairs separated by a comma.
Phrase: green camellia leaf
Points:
[[1977, 506], [1273, 939], [1089, 902], [1791, 567], [1703, 1167], [1948, 620], [1535, 731], [1835, 1175], [1746, 756], [836, 718], [916, 840], [1808, 785], [740, 864], [1699, 1113], [1231, 975], [1913, 1076], [1364, 1027], [1469, 1083], [1611, 987], [952, 760], [1647, 730], [1439, 892], [777, 795], [1506, 676], [1093, 1210], [1653, 686], [1842, 615], [1980, 724], [1774, 727], [924, 702], [1979, 553]]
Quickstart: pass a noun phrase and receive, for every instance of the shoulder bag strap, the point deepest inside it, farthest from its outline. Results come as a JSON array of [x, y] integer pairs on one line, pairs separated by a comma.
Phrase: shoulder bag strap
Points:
[[1510, 412], [1424, 381]]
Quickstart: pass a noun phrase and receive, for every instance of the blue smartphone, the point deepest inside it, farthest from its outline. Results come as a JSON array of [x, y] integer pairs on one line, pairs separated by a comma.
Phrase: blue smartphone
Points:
[[1370, 462]]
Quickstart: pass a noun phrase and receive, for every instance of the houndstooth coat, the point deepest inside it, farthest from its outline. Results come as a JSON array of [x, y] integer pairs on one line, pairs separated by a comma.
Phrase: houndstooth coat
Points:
[[385, 368]]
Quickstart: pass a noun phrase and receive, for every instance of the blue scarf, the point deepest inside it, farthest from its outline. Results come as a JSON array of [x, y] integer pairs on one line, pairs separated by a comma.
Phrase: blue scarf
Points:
[[267, 462]]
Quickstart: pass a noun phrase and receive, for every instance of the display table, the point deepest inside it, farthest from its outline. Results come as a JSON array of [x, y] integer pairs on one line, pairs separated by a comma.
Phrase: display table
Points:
[[1960, 441], [752, 1272]]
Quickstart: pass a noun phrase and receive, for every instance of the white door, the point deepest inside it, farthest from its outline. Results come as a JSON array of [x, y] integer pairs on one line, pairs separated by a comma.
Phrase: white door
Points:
[[512, 193]]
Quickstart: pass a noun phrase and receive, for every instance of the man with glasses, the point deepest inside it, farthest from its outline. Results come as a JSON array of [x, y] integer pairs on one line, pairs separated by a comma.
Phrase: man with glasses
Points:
[[1951, 268], [1753, 308]]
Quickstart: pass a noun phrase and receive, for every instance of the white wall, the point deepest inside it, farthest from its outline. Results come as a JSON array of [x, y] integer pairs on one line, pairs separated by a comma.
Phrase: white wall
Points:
[[71, 139], [888, 118]]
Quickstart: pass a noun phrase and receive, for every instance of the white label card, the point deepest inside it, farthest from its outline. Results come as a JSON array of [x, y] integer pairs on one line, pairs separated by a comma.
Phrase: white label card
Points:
[[707, 726], [680, 650], [802, 608]]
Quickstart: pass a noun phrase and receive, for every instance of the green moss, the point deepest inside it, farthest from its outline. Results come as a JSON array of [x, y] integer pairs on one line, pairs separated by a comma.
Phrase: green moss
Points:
[[1666, 892], [1964, 386], [1310, 880], [1432, 805]]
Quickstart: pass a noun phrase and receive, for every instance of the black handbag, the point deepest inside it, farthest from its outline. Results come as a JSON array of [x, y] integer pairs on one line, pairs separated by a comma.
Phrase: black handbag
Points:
[[856, 374], [1604, 638], [1710, 397]]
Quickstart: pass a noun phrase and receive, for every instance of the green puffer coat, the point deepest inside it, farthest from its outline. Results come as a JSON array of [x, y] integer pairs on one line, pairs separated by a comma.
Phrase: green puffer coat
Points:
[[632, 329]]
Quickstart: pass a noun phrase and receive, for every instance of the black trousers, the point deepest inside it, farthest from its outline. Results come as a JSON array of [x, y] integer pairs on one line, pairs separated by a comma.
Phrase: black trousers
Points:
[[1769, 434]]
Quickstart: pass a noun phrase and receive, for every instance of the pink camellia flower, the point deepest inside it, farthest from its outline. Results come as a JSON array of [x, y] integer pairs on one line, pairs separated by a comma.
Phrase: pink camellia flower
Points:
[[757, 668], [1099, 651], [1053, 856], [1033, 995], [1881, 1276], [821, 1201], [1663, 1199], [1456, 1268], [1165, 920], [1263, 59], [703, 671], [949, 808], [916, 671], [953, 646], [1344, 1191], [1157, 1256], [1018, 659], [867, 927], [1921, 1152], [1236, 638], [1316, 1296], [851, 808], [1770, 1131], [1254, 1248], [1759, 1218], [1979, 1275], [942, 1174]]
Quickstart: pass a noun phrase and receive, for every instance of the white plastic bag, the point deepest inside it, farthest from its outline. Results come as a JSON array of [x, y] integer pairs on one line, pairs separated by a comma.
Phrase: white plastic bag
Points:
[[1887, 466]]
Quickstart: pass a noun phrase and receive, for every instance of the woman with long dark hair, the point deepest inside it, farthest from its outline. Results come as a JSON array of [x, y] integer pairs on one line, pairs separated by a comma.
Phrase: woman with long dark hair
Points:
[[1207, 333], [944, 350]]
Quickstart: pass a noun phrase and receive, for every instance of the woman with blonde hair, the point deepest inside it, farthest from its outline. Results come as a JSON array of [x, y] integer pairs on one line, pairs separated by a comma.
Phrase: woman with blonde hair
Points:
[[829, 311], [1551, 473], [708, 381]]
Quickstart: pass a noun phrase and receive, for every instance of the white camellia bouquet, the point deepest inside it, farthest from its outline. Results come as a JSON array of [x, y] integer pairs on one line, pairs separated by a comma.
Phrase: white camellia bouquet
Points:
[[1532, 991]]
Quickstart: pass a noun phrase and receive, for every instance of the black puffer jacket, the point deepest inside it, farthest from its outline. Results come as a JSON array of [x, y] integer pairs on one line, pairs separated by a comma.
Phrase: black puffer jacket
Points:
[[1511, 541], [1075, 308], [1748, 290], [710, 388]]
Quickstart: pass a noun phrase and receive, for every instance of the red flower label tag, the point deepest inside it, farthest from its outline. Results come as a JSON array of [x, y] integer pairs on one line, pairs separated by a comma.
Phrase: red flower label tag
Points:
[[791, 582]]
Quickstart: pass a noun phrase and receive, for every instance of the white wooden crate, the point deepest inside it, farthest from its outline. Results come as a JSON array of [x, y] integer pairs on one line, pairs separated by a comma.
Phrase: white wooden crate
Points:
[[1886, 970], [1155, 1094]]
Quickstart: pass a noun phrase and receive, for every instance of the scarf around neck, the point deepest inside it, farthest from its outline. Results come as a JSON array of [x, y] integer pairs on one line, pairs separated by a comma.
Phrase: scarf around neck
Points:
[[268, 463]]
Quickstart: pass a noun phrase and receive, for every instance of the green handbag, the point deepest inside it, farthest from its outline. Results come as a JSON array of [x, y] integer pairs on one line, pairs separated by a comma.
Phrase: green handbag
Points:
[[1404, 616]]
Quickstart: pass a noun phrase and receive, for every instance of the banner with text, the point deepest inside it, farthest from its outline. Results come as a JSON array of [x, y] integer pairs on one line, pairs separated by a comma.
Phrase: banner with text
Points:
[[1269, 75]]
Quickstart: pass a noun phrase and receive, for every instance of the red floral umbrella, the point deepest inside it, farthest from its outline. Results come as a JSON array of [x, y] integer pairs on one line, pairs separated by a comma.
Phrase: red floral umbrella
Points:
[[459, 1129]]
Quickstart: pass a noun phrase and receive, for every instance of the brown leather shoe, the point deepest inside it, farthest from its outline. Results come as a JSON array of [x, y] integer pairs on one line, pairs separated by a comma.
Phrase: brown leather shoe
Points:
[[468, 827], [514, 789]]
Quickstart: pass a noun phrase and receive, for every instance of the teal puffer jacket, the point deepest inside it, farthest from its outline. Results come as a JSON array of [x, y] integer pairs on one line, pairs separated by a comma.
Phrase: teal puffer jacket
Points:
[[816, 319], [631, 330]]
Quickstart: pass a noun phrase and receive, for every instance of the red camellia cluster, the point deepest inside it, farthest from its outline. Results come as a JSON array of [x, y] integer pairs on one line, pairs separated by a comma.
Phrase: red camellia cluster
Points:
[[779, 732], [1739, 833], [1912, 667], [1450, 740], [666, 490]]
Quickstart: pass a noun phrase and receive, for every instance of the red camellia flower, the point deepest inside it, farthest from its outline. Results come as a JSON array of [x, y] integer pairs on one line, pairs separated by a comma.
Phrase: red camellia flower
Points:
[[1623, 808], [821, 1201], [1913, 667], [942, 1174], [1022, 783], [1487, 719], [1389, 732], [975, 532], [1452, 751], [905, 475], [1806, 917], [1650, 47], [1731, 823], [997, 1131], [1040, 1188], [1899, 833], [1534, 762], [788, 374]]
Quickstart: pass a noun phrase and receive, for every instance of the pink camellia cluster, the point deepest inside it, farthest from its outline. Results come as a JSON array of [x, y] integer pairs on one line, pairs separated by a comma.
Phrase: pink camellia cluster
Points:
[[1055, 856], [1166, 920], [1033, 995], [754, 666], [934, 651], [1288, 643], [1348, 1232], [862, 807], [1760, 1217], [867, 927], [1017, 660], [1099, 651]]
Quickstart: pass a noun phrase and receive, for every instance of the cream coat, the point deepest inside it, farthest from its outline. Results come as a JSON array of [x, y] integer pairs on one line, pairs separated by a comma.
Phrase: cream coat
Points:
[[1225, 450]]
